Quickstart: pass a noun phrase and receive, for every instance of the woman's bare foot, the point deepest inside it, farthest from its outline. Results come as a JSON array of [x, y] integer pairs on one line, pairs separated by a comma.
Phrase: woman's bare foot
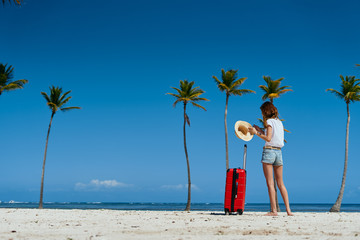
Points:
[[271, 214], [290, 214]]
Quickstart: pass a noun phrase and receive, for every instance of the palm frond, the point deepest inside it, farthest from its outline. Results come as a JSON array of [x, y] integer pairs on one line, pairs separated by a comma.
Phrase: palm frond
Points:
[[191, 85], [18, 84], [265, 88], [16, 2], [63, 101], [240, 92], [353, 96], [187, 119], [46, 96], [273, 95], [239, 81], [222, 87], [284, 91], [196, 93], [6, 75], [174, 95], [199, 99], [64, 96], [275, 85], [335, 92], [53, 107], [343, 80], [262, 124], [177, 101], [217, 81], [284, 88], [264, 97], [198, 105], [69, 108]]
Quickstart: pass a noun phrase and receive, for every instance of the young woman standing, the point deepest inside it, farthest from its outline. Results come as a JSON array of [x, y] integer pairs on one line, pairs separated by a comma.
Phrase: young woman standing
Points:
[[272, 155]]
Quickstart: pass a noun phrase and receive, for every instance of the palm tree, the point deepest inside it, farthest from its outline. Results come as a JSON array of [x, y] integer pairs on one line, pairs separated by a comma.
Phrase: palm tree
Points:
[[17, 2], [273, 90], [55, 101], [349, 92], [188, 94], [230, 85], [6, 75]]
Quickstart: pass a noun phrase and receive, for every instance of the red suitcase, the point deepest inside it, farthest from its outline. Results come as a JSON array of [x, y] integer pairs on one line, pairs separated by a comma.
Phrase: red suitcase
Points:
[[235, 189]]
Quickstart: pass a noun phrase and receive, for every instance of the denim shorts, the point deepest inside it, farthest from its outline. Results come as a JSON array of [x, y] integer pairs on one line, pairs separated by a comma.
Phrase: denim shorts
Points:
[[272, 156]]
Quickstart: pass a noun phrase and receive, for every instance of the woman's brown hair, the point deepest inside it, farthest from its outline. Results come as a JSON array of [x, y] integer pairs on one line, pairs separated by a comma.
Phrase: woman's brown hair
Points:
[[268, 111]]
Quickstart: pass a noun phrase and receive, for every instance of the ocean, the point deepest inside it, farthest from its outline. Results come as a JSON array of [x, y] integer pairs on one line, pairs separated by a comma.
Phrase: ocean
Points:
[[251, 207]]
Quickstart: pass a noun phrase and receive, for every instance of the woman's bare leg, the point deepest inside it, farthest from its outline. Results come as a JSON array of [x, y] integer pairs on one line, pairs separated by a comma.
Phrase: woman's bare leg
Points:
[[268, 173], [278, 170]]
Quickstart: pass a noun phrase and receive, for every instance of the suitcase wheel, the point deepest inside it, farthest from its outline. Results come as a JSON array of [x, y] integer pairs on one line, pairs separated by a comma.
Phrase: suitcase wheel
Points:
[[240, 211], [227, 212]]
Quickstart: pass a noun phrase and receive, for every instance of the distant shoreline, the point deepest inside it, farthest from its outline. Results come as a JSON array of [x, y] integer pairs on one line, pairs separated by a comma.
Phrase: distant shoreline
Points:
[[252, 207]]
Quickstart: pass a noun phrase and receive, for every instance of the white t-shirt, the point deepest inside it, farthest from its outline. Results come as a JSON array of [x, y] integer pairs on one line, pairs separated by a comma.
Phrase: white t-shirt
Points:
[[277, 139]]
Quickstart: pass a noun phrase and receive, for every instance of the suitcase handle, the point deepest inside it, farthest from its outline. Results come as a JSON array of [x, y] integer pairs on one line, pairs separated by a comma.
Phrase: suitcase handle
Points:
[[244, 161]]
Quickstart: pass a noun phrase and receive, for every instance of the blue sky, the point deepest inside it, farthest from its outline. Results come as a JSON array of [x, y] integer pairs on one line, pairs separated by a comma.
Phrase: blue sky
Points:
[[120, 58]]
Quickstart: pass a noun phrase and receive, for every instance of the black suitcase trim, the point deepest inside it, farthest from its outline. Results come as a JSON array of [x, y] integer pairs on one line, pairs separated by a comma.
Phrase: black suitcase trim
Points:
[[234, 188]]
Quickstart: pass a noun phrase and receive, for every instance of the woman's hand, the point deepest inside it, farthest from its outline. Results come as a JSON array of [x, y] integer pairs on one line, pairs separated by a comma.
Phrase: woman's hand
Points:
[[260, 133], [258, 129], [252, 130]]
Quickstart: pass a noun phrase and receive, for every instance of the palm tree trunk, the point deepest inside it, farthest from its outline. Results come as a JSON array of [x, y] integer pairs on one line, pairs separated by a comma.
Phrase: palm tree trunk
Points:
[[187, 162], [43, 168], [336, 207], [226, 133]]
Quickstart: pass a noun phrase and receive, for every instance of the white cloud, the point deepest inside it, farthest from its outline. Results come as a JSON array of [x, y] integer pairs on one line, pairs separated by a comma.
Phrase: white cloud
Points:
[[179, 187], [95, 185]]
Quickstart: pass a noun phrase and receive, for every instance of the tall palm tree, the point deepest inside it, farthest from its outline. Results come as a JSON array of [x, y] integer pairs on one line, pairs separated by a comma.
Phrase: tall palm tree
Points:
[[231, 86], [17, 2], [349, 92], [55, 101], [187, 94], [273, 90], [6, 75]]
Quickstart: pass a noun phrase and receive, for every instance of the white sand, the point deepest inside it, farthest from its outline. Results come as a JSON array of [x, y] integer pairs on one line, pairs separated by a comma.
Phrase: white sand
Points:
[[113, 224]]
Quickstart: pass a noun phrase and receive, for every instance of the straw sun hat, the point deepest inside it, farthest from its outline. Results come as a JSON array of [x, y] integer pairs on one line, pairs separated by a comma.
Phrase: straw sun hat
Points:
[[242, 131]]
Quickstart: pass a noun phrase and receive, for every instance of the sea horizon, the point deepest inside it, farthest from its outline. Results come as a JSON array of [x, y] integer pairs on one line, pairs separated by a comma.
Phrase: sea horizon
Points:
[[166, 206]]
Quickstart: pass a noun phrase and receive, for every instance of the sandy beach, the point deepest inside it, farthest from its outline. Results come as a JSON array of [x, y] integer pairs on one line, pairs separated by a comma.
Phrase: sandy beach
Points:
[[115, 224]]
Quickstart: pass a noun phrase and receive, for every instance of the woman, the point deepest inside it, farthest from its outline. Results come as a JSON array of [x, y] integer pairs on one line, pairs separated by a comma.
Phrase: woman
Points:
[[272, 156]]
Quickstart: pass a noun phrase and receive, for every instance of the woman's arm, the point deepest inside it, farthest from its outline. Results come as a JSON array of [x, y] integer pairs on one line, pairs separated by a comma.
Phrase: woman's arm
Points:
[[266, 137]]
